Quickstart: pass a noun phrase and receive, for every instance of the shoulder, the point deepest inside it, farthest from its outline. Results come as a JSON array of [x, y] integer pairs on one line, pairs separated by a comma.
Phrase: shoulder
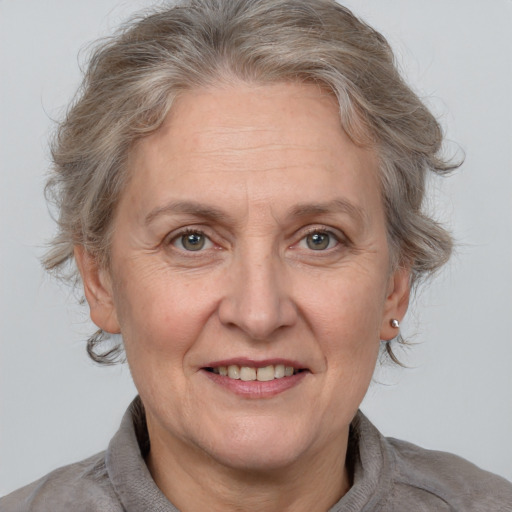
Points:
[[454, 483], [85, 483]]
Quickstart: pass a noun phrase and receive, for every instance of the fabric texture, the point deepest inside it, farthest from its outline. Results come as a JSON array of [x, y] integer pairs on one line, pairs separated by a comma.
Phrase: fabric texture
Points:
[[389, 476]]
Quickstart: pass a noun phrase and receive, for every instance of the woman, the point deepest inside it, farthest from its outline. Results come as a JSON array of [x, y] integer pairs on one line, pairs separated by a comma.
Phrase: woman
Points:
[[240, 185]]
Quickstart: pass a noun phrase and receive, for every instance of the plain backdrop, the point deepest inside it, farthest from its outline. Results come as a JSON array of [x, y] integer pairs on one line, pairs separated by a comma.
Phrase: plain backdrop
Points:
[[58, 407]]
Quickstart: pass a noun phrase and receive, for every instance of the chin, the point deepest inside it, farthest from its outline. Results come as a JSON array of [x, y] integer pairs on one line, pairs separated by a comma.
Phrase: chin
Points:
[[258, 446], [258, 458]]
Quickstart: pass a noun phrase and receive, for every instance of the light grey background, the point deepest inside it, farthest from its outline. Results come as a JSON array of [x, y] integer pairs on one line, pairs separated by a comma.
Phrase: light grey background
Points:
[[57, 407]]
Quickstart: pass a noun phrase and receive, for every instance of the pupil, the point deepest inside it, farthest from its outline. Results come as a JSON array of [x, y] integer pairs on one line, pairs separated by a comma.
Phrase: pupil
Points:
[[193, 241], [318, 241]]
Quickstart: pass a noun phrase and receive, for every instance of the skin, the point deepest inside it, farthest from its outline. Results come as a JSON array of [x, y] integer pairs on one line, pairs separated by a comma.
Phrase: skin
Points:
[[274, 164]]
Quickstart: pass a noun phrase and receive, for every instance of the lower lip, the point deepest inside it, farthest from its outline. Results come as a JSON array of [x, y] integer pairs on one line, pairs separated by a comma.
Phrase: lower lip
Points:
[[255, 388]]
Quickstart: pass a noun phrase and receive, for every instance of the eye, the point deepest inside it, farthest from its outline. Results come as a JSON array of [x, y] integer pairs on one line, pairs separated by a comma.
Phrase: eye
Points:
[[192, 241], [320, 240]]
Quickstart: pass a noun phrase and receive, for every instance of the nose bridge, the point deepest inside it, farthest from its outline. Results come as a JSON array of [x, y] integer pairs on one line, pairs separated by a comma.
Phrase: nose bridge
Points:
[[257, 301]]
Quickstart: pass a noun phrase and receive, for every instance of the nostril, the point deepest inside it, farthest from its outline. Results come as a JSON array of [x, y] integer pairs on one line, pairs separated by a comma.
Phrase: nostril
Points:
[[257, 306]]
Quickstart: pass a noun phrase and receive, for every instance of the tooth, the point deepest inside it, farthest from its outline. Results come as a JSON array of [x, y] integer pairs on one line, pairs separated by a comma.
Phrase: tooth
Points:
[[247, 373], [223, 370], [279, 371], [265, 374], [215, 370], [288, 371], [233, 371]]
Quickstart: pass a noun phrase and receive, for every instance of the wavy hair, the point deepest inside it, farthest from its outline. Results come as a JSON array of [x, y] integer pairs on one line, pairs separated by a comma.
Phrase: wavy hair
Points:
[[134, 76]]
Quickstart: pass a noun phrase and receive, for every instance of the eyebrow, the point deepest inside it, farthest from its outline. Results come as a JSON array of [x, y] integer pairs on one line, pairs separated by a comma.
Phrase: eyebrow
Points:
[[330, 207], [187, 207], [214, 214]]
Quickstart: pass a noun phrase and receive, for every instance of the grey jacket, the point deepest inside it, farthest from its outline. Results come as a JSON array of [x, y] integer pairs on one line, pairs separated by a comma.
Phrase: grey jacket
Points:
[[389, 476]]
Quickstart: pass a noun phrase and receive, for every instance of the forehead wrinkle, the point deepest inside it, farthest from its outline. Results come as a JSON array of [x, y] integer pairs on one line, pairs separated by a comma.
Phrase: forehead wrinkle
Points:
[[236, 129], [220, 137], [257, 148], [229, 134], [229, 168]]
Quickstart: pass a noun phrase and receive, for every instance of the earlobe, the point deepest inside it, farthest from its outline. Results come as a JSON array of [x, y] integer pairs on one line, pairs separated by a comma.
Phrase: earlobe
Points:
[[98, 290], [396, 304]]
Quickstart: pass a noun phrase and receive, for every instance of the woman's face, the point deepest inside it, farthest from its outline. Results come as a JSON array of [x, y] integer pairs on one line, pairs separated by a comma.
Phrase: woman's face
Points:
[[251, 239]]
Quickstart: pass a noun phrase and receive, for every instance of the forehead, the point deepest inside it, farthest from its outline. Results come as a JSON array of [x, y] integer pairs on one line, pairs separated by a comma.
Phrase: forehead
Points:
[[257, 142], [244, 117]]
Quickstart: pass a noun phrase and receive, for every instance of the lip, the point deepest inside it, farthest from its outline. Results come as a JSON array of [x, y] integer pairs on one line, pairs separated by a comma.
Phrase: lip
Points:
[[255, 389]]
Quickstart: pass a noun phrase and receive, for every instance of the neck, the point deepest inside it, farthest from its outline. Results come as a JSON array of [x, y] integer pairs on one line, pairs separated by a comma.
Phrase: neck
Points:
[[192, 480]]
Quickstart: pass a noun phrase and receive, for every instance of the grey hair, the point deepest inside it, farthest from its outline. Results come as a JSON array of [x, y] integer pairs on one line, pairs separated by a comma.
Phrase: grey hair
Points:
[[134, 77]]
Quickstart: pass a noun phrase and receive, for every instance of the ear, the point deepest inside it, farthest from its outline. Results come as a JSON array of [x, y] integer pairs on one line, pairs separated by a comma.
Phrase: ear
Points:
[[98, 290], [397, 301]]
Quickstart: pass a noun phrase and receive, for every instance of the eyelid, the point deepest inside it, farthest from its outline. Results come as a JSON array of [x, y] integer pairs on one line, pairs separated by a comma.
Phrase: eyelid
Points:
[[342, 242], [176, 235], [331, 239], [337, 233]]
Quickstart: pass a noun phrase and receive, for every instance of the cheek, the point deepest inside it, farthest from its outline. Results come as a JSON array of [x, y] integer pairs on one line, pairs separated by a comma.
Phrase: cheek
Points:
[[344, 310], [345, 316], [160, 314]]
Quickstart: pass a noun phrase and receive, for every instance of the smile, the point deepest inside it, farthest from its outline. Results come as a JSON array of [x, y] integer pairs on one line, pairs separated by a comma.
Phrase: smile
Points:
[[249, 373]]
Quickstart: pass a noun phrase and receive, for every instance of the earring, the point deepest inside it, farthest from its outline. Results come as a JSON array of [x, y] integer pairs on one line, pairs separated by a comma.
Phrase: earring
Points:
[[395, 323]]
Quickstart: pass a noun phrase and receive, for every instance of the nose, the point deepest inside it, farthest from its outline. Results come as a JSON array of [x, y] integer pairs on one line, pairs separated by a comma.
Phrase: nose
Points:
[[257, 299]]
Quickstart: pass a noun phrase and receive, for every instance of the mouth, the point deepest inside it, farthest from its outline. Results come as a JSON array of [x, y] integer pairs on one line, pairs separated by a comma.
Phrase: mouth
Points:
[[255, 373]]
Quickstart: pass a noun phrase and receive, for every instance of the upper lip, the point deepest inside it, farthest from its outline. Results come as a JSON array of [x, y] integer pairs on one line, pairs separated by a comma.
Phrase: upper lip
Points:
[[256, 363]]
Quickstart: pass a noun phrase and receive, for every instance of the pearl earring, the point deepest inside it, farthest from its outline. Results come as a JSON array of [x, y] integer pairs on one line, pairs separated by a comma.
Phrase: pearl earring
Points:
[[395, 323]]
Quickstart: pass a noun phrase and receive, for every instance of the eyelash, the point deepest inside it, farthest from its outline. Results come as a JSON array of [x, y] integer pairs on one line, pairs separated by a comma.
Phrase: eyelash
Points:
[[340, 240], [324, 230], [185, 232]]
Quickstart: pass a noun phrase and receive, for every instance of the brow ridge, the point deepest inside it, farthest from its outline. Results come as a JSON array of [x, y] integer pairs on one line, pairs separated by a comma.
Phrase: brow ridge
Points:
[[213, 213], [187, 207], [339, 205]]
